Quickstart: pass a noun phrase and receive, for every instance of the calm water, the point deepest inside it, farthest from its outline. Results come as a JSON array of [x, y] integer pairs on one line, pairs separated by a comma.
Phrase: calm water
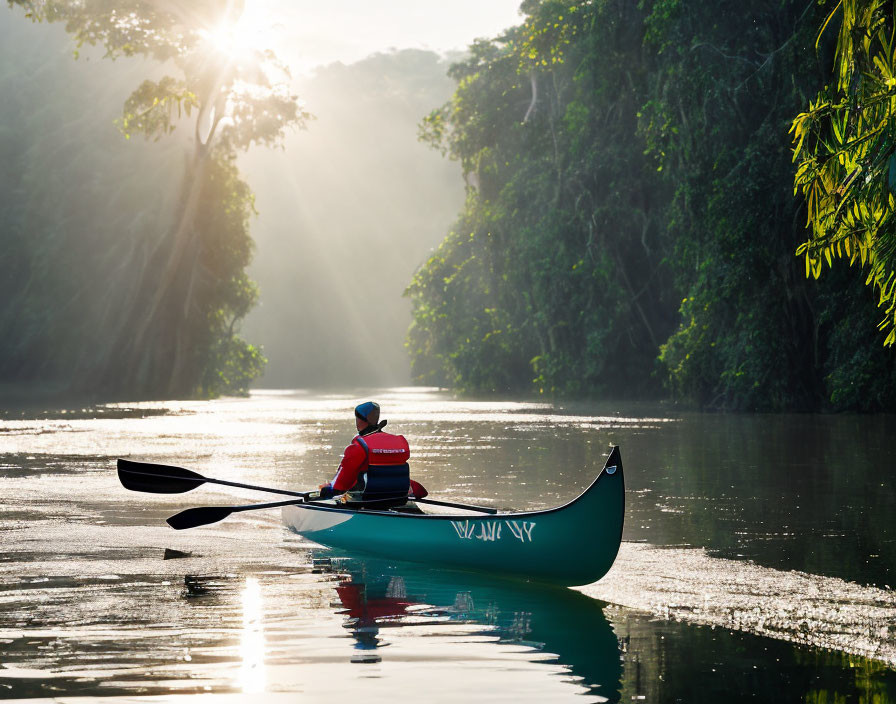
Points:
[[758, 559]]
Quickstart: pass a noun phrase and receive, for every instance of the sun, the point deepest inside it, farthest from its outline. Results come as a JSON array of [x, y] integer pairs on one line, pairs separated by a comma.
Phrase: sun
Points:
[[240, 40]]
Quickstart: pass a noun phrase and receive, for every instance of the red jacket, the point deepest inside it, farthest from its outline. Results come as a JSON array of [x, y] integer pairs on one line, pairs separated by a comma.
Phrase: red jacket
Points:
[[384, 449]]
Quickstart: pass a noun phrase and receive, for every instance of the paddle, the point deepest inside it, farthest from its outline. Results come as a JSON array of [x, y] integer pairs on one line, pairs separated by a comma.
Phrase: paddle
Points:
[[155, 478], [167, 479], [203, 515]]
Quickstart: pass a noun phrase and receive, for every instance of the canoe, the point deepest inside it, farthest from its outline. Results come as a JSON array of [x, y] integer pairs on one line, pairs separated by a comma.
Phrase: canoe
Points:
[[568, 545]]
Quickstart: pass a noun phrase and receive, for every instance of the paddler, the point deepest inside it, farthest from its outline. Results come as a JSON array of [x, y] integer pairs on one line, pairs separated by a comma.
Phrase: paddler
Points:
[[374, 465]]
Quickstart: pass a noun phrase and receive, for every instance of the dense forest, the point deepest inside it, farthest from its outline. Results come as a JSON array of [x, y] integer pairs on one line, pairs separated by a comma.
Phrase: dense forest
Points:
[[631, 227]]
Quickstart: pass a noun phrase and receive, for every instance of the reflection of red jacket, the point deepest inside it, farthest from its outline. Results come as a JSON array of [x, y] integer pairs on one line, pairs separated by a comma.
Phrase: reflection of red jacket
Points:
[[384, 449], [359, 605]]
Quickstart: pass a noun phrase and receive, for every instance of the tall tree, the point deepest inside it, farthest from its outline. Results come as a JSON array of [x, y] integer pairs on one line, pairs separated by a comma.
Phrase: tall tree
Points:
[[726, 82], [174, 332]]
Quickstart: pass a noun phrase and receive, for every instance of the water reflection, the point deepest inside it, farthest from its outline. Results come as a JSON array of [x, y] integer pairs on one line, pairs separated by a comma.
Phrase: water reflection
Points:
[[379, 599], [252, 676], [670, 661]]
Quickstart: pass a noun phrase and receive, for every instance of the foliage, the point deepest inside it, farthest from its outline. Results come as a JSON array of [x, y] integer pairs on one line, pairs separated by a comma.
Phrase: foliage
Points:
[[552, 279], [226, 362], [860, 373], [756, 335], [846, 154], [621, 162], [720, 100]]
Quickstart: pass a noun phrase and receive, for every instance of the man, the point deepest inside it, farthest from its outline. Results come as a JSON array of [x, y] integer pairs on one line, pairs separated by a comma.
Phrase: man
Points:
[[374, 465]]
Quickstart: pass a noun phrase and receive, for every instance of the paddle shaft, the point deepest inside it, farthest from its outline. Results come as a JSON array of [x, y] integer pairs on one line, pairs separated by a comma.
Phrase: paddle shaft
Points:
[[273, 504], [285, 492], [303, 495], [484, 509], [204, 515]]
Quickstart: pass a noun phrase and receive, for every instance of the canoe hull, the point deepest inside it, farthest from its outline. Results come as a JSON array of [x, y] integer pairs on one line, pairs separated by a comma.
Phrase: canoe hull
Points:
[[569, 545]]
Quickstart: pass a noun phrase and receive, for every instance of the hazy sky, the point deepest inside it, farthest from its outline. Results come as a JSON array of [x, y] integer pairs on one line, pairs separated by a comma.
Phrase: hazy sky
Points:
[[308, 33]]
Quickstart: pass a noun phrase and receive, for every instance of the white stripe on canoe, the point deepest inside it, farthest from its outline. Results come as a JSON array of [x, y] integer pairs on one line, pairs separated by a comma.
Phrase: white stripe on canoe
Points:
[[305, 521]]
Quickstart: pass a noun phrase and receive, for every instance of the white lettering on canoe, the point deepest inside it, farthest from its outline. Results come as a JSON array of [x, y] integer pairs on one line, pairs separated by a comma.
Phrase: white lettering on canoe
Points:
[[529, 527], [521, 529], [464, 529], [490, 531]]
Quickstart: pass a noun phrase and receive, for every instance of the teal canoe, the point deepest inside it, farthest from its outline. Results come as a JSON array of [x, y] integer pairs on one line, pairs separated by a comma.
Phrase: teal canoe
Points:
[[568, 545]]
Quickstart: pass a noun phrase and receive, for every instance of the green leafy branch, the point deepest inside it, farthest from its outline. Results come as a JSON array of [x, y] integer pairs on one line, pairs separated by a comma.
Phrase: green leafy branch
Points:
[[845, 150]]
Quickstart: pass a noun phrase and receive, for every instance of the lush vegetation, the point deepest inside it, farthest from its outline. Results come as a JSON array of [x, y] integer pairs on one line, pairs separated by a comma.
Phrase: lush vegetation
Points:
[[554, 275], [125, 271], [630, 221], [846, 151]]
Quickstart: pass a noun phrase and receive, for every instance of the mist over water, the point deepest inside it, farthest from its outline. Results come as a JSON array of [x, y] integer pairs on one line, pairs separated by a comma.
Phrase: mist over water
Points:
[[347, 212]]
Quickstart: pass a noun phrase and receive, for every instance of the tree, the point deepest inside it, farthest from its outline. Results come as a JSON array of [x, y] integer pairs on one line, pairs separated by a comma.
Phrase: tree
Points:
[[553, 278], [175, 331], [727, 79]]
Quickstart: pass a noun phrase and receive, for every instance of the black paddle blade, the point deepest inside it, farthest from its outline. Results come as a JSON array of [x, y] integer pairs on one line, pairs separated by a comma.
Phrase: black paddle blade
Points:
[[202, 516], [157, 478]]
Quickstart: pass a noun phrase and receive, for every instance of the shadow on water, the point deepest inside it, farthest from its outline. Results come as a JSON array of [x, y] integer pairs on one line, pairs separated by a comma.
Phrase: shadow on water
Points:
[[377, 596]]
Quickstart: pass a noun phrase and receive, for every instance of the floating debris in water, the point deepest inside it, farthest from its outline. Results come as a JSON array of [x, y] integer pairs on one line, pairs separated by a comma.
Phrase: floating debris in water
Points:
[[203, 585], [367, 658], [320, 565]]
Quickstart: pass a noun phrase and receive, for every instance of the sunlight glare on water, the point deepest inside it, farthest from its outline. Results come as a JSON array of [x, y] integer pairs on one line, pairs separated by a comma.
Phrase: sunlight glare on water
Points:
[[252, 675]]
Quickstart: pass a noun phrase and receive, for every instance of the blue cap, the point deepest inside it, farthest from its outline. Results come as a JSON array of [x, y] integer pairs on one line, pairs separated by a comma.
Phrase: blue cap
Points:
[[368, 411]]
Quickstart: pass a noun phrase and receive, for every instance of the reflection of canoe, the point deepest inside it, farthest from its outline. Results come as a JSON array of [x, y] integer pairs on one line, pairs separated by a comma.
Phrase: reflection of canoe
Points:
[[379, 596], [568, 545]]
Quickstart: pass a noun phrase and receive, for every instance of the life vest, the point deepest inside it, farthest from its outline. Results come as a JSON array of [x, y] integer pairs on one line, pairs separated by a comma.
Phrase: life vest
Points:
[[385, 475]]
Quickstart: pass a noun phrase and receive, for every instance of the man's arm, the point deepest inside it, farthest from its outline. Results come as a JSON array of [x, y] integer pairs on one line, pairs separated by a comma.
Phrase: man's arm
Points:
[[353, 460]]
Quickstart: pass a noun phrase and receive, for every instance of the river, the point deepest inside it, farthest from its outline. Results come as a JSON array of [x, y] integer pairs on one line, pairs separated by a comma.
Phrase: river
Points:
[[757, 561]]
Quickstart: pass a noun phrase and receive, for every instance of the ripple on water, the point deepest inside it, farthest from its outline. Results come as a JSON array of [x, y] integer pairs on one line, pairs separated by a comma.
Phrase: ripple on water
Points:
[[687, 584]]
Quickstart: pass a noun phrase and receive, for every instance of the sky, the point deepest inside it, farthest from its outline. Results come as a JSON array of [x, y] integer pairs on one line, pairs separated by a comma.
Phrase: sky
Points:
[[309, 33]]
